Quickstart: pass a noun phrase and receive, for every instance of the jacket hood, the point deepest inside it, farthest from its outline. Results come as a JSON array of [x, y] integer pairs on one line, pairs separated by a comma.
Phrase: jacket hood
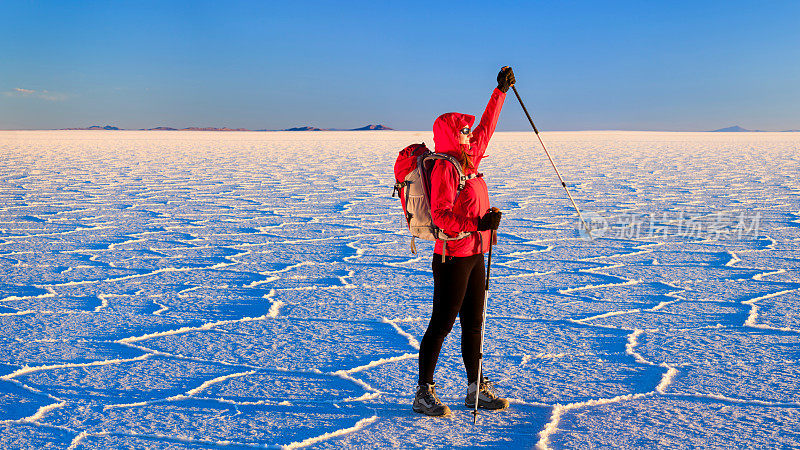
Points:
[[445, 132]]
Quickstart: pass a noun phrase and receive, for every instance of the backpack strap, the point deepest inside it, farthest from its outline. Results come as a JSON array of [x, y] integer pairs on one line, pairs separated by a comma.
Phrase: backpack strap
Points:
[[405, 210], [462, 179]]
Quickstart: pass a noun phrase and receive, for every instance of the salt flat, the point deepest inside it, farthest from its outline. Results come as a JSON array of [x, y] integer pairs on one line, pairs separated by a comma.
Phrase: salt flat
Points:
[[244, 289]]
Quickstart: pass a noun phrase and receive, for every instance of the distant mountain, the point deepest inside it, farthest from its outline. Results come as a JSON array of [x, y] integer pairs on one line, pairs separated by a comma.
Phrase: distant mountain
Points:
[[94, 127], [305, 128], [302, 128], [737, 128], [213, 129], [733, 129], [372, 127], [364, 128]]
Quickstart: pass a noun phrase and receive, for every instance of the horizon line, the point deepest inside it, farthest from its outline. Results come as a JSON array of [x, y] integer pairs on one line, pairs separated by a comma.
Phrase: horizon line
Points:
[[315, 129]]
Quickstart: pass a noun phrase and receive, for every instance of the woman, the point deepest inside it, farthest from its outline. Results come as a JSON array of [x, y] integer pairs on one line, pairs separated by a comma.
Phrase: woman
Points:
[[458, 271]]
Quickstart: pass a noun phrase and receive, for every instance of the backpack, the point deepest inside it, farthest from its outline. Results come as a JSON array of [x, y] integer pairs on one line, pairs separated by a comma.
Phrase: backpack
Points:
[[412, 173]]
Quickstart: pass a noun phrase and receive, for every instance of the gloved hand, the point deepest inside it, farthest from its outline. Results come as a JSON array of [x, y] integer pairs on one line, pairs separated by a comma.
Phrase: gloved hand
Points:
[[505, 79], [490, 220]]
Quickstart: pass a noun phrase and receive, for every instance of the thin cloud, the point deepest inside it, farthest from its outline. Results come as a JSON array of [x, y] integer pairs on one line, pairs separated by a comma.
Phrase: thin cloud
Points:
[[32, 93], [52, 96]]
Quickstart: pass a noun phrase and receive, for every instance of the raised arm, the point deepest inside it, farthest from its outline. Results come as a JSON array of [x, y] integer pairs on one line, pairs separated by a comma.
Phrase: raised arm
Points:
[[483, 132]]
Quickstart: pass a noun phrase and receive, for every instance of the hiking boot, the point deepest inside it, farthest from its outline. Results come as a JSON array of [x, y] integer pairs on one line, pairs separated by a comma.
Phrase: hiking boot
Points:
[[488, 398], [427, 402]]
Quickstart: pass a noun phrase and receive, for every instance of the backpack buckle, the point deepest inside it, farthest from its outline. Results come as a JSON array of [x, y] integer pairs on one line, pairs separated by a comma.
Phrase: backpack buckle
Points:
[[397, 187]]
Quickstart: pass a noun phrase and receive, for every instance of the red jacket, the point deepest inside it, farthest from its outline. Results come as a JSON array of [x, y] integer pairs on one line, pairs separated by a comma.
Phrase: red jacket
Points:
[[450, 213]]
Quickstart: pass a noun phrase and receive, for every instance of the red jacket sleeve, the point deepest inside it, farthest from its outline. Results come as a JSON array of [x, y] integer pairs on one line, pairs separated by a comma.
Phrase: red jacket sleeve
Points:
[[444, 186], [483, 132]]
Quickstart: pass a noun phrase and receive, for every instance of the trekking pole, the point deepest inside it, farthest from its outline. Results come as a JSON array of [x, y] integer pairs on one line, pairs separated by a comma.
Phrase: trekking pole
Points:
[[563, 184], [483, 329]]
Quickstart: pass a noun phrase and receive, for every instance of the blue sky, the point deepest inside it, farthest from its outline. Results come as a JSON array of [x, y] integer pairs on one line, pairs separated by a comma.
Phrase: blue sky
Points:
[[580, 65]]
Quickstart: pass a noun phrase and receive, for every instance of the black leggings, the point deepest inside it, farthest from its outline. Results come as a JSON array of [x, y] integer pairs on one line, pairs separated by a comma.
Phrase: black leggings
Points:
[[458, 290]]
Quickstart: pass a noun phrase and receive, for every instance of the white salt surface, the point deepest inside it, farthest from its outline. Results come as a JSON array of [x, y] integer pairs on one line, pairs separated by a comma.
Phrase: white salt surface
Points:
[[199, 289]]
